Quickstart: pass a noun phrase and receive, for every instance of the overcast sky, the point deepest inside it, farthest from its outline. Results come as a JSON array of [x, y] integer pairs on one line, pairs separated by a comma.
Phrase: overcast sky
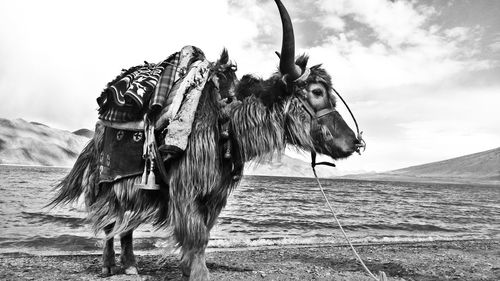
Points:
[[422, 77]]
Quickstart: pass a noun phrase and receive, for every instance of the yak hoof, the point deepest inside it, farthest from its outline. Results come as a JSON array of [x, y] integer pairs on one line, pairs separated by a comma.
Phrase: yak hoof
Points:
[[197, 276], [109, 270], [131, 270]]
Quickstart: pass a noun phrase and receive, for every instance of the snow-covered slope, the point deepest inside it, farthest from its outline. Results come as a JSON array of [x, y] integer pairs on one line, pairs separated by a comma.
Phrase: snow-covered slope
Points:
[[31, 143]]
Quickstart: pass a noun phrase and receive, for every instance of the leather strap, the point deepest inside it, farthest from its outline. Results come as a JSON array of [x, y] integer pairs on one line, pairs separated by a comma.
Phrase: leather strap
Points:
[[314, 164]]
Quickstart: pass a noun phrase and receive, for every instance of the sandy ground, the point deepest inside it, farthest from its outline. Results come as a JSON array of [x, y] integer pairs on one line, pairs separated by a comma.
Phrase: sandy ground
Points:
[[454, 260]]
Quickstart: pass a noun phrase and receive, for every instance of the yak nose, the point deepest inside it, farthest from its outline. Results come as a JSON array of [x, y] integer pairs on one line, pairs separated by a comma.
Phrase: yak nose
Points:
[[360, 143]]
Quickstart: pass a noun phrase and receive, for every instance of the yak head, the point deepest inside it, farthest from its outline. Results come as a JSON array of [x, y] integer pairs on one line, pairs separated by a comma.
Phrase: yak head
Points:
[[310, 106]]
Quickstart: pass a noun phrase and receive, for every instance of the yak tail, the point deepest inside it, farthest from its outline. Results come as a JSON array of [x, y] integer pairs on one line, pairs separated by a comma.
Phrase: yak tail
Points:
[[83, 176]]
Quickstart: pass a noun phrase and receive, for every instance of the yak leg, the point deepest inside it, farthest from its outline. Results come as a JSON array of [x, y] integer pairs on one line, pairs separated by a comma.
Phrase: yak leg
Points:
[[193, 235], [193, 265], [127, 258], [108, 254]]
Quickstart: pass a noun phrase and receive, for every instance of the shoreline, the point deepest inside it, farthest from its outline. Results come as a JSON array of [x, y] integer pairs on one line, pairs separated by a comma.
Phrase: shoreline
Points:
[[35, 166], [380, 176], [438, 260], [386, 177], [159, 250]]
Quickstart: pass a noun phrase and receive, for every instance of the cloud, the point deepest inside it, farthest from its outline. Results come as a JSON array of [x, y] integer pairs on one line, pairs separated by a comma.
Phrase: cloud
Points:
[[422, 89], [404, 47], [495, 44], [420, 127], [394, 22], [369, 45], [57, 55]]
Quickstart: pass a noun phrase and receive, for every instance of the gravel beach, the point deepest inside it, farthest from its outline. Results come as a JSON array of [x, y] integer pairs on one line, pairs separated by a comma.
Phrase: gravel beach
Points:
[[450, 260]]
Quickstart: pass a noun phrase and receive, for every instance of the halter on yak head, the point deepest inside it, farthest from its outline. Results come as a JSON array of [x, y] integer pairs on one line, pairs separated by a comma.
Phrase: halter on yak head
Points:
[[312, 87]]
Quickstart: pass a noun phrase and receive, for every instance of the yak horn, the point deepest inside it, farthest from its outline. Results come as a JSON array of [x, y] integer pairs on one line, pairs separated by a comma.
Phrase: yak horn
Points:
[[287, 60]]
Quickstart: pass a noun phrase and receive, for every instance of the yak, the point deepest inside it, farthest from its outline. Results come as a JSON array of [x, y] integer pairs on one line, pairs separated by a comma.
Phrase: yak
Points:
[[295, 106]]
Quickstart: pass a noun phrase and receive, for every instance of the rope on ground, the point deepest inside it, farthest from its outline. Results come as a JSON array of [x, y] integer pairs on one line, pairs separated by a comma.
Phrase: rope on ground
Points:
[[382, 275]]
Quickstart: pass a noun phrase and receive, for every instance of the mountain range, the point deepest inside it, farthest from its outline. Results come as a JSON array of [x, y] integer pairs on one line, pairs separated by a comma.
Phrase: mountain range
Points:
[[33, 143], [481, 167]]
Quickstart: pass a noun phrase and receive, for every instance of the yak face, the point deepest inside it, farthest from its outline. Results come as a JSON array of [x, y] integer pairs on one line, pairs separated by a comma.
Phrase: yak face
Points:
[[321, 128], [225, 75], [329, 132], [314, 124]]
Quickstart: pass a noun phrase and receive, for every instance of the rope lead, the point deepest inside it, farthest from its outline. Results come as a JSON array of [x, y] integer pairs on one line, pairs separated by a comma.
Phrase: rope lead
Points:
[[382, 275]]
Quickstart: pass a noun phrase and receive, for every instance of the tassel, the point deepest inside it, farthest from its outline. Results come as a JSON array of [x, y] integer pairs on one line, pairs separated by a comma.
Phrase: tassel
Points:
[[152, 182], [151, 185], [148, 182], [142, 185]]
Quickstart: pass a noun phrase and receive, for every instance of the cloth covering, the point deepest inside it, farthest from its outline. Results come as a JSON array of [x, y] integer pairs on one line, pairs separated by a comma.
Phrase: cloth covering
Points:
[[165, 92], [126, 98], [169, 90], [182, 115], [121, 156], [145, 89]]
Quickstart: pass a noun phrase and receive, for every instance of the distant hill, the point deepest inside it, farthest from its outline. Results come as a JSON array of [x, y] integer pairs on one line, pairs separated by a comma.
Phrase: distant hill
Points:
[[32, 143], [481, 167], [484, 164]]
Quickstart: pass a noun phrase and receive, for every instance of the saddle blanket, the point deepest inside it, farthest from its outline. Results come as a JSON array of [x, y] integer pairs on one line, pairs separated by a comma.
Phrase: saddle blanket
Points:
[[145, 89], [124, 98], [121, 156]]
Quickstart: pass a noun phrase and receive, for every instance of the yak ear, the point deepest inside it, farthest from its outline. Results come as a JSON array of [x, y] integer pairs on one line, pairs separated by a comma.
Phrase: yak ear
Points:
[[224, 57], [302, 61]]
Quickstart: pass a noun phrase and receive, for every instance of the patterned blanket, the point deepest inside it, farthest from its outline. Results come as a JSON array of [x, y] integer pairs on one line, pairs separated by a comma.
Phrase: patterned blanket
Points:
[[145, 88], [121, 156], [170, 90]]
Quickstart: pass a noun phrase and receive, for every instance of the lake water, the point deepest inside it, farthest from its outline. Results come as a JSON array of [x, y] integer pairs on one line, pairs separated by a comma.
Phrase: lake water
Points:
[[265, 211]]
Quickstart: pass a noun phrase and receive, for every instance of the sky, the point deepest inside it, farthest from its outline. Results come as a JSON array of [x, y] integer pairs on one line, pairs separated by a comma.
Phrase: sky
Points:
[[422, 77]]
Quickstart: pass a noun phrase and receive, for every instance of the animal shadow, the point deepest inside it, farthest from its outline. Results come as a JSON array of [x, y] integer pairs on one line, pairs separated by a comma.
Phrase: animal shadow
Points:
[[352, 264]]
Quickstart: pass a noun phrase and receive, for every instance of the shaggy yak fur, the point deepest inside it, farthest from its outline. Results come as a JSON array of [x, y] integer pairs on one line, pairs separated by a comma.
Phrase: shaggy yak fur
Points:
[[267, 118]]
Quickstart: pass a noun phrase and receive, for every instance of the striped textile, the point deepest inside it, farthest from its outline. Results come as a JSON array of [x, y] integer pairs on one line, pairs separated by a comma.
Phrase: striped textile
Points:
[[115, 114], [125, 97], [165, 84]]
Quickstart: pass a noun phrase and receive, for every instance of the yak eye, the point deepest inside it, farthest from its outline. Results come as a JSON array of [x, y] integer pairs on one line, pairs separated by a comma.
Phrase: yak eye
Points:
[[317, 92]]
